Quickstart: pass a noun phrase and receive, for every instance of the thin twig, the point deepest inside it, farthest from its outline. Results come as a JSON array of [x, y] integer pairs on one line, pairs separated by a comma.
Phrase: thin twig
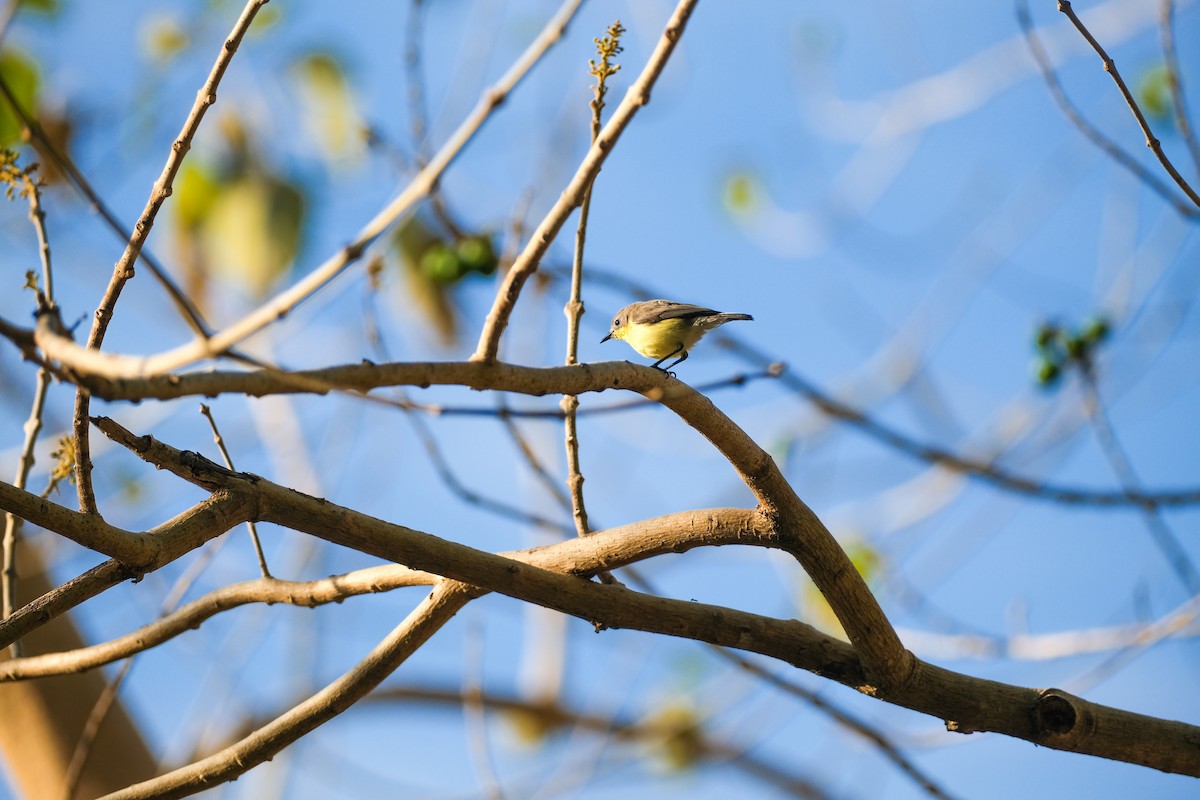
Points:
[[120, 383], [1183, 119], [649, 729], [470, 496], [842, 717], [31, 191], [425, 620], [1164, 538], [607, 48], [124, 268], [527, 263], [33, 426], [91, 727], [418, 112], [46, 147], [220, 342], [440, 464], [1111, 68], [1091, 132], [220, 442]]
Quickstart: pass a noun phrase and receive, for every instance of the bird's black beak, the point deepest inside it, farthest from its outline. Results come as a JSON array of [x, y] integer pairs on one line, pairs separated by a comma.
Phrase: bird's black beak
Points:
[[605, 339]]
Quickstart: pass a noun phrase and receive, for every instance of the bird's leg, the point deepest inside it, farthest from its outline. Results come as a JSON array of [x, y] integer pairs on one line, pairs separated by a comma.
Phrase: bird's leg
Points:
[[680, 360], [676, 351]]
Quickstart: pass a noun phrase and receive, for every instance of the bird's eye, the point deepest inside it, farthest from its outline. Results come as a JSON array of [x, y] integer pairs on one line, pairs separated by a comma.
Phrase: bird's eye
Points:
[[617, 322]]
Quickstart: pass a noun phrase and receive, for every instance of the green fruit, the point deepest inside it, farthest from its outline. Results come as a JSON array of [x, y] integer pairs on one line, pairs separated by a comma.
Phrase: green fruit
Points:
[[1096, 330], [440, 264], [1047, 372], [477, 255], [1045, 335]]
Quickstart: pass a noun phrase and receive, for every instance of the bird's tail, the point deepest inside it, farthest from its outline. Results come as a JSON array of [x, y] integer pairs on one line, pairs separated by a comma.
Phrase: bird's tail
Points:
[[721, 319]]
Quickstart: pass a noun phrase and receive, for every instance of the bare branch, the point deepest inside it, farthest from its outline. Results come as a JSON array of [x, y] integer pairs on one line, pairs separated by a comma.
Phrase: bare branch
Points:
[[124, 268], [1183, 118], [1051, 718], [425, 620], [1110, 67], [527, 262], [1091, 132]]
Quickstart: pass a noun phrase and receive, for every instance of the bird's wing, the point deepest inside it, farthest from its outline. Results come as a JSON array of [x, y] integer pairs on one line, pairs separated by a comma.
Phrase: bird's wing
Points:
[[659, 310]]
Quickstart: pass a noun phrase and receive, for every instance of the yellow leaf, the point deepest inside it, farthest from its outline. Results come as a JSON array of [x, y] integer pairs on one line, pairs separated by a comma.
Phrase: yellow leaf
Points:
[[252, 233]]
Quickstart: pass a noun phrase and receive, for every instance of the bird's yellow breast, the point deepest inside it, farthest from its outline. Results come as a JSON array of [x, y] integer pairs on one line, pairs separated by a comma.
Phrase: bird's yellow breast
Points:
[[661, 339]]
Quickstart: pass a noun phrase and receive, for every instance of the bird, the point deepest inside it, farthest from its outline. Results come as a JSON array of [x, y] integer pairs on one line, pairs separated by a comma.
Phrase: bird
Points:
[[662, 329]]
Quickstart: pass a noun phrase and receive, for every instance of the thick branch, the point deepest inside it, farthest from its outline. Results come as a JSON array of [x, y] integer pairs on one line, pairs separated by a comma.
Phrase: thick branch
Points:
[[967, 703]]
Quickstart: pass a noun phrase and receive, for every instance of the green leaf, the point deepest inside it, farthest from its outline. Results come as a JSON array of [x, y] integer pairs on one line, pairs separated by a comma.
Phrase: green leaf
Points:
[[162, 37], [742, 193], [252, 231], [1154, 92], [196, 190], [48, 7], [21, 74], [1046, 372]]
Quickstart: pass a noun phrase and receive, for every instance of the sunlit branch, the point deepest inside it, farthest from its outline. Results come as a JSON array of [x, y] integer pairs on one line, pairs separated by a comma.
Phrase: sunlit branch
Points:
[[31, 191], [539, 242], [425, 620], [1051, 718], [124, 268], [189, 617], [111, 381]]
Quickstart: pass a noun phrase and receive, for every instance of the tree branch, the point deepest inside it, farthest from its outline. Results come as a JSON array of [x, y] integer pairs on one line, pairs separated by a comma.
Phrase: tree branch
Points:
[[527, 262]]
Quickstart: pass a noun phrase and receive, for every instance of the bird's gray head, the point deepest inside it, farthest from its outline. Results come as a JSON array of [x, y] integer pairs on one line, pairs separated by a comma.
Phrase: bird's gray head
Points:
[[616, 330]]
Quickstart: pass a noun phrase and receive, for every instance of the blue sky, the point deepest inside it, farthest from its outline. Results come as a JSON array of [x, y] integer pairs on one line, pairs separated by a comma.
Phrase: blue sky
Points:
[[921, 206]]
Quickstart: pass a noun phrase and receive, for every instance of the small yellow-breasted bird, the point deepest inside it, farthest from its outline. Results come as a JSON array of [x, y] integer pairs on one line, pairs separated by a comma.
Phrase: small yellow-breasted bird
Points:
[[662, 329]]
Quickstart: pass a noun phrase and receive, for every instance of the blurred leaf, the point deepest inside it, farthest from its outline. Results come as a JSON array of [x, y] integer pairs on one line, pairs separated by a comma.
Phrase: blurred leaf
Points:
[[21, 74], [196, 191], [1096, 330], [867, 560], [162, 38], [47, 7], [1046, 372], [331, 114], [412, 239], [252, 232], [742, 194], [532, 725], [59, 129], [682, 743], [267, 18], [1154, 92]]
